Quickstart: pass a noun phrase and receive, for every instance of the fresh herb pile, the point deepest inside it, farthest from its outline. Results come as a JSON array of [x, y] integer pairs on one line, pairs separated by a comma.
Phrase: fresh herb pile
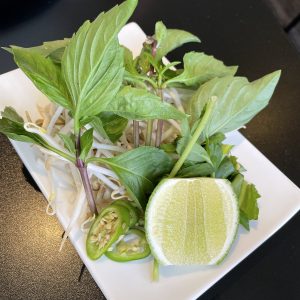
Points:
[[126, 122]]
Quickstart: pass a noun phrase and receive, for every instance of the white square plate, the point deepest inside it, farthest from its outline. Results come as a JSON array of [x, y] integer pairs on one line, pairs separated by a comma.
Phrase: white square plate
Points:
[[280, 200]]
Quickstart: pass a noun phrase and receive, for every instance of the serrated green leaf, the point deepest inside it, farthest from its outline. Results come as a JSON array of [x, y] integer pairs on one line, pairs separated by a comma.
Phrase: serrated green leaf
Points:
[[86, 142], [196, 170], [200, 68], [170, 39], [238, 101], [109, 125], [248, 201], [44, 74], [52, 49], [93, 61], [139, 170], [133, 103], [69, 142], [247, 197]]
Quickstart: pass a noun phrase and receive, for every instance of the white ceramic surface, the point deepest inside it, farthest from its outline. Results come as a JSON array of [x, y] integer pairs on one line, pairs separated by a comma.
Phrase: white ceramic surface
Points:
[[280, 200]]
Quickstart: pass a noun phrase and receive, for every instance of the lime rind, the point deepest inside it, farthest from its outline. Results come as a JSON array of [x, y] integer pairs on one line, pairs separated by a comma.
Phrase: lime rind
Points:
[[151, 215]]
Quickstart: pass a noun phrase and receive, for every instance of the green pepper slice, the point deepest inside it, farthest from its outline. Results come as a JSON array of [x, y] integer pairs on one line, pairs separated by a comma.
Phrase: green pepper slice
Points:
[[132, 247], [109, 225], [133, 211]]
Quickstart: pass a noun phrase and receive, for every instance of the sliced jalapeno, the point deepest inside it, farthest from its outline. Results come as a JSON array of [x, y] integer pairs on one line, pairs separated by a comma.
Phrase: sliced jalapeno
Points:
[[133, 211], [110, 224], [132, 246]]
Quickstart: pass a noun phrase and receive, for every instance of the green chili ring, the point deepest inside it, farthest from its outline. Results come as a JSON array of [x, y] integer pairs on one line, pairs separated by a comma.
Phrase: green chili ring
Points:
[[135, 249], [107, 228], [133, 211]]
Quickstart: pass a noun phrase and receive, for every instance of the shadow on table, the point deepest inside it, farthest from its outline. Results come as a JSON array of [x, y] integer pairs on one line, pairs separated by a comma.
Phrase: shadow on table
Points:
[[29, 179]]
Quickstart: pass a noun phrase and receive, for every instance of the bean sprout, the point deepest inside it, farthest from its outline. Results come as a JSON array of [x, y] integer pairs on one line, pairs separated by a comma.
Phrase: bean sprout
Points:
[[54, 119], [107, 147], [101, 170]]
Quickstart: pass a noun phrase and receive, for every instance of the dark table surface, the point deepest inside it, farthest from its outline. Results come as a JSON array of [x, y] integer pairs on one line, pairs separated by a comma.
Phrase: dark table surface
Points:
[[237, 32]]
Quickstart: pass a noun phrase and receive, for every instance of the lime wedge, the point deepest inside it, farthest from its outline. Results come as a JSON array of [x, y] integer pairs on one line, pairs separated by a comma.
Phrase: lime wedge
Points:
[[191, 221]]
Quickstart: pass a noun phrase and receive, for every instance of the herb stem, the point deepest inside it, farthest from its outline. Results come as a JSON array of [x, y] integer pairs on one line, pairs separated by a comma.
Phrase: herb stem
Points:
[[159, 122], [155, 271], [136, 134], [84, 177], [87, 186], [194, 138], [149, 133]]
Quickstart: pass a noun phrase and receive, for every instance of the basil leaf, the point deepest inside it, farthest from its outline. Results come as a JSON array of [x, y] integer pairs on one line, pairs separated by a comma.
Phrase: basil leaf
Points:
[[198, 153], [129, 62], [44, 74], [170, 39], [11, 114], [52, 49], [69, 142], [86, 142], [238, 101], [12, 125], [225, 169], [200, 68], [93, 61], [133, 103], [196, 170], [139, 170], [109, 125], [215, 154]]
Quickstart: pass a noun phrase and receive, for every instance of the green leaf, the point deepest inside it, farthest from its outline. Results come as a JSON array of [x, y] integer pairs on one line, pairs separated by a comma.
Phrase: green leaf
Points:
[[109, 125], [52, 49], [168, 148], [248, 201], [45, 75], [139, 170], [216, 138], [69, 142], [133, 103], [197, 153], [86, 142], [170, 39], [238, 101], [93, 61], [197, 170], [12, 125], [200, 68], [247, 197], [244, 221], [11, 114], [129, 62], [225, 169], [215, 153]]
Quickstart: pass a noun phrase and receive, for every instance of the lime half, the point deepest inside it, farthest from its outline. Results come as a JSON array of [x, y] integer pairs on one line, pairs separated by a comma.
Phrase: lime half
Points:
[[191, 221]]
